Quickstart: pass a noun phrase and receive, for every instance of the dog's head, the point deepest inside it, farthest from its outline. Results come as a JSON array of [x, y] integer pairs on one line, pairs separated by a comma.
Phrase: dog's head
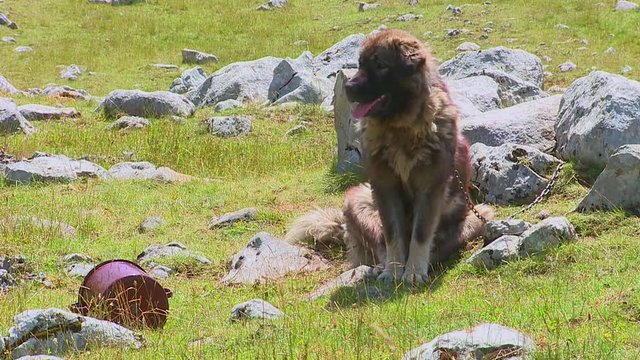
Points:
[[393, 72]]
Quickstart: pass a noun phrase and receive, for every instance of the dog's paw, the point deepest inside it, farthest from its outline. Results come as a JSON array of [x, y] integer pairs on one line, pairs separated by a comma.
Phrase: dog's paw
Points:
[[390, 276], [416, 276]]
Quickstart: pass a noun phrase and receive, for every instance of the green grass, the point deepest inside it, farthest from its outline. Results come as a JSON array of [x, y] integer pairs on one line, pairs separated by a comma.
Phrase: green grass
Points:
[[577, 302]]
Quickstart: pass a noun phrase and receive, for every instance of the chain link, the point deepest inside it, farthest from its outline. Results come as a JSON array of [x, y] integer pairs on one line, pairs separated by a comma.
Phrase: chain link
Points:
[[470, 203]]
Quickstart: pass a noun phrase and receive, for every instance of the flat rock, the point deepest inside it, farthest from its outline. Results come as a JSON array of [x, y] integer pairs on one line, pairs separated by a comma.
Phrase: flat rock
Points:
[[79, 270], [482, 91], [4, 20], [532, 123], [53, 90], [247, 214], [189, 80], [362, 6], [23, 49], [497, 228], [127, 123], [197, 57], [510, 174], [567, 66], [165, 66], [342, 55], [229, 126], [40, 357], [623, 5], [150, 224], [485, 341], [6, 87], [255, 309], [498, 252], [617, 187], [65, 332], [35, 112], [546, 234], [349, 278], [161, 272], [468, 46], [155, 255], [145, 171], [267, 258], [597, 115], [8, 40], [51, 168], [349, 147], [272, 4], [140, 103], [298, 129], [408, 17], [11, 120], [228, 105], [71, 72]]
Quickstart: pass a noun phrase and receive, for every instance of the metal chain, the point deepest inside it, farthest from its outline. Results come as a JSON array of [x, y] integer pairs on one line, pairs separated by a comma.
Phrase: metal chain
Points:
[[545, 192], [470, 203]]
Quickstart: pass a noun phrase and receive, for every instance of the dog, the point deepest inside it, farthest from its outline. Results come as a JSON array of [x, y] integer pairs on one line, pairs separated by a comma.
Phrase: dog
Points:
[[413, 212]]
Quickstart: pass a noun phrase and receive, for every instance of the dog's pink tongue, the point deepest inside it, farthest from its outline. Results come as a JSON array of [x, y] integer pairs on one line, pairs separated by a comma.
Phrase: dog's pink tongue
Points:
[[362, 109]]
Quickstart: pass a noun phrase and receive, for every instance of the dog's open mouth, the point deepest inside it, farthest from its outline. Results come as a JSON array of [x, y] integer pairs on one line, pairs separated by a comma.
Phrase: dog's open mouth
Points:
[[363, 109]]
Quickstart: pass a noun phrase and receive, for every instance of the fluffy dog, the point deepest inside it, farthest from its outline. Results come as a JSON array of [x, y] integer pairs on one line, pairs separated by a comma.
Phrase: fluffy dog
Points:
[[413, 211]]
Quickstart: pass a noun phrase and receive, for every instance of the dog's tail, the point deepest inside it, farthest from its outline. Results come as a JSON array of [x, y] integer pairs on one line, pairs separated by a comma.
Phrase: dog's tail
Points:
[[318, 227], [473, 226]]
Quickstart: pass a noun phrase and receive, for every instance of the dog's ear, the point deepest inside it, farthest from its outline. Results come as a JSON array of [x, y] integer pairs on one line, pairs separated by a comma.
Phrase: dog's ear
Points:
[[412, 52]]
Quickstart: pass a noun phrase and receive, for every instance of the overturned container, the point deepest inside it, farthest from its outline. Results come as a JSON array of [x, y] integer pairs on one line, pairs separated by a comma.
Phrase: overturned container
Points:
[[122, 292]]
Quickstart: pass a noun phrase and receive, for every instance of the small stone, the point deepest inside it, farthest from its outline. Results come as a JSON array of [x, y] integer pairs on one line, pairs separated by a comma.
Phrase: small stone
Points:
[[77, 258], [582, 49], [498, 252], [497, 228], [229, 126], [71, 72], [547, 74], [625, 70], [567, 66], [366, 7], [546, 58], [468, 46], [9, 40], [543, 214], [196, 57], [255, 309], [349, 278], [247, 214], [487, 30], [150, 224], [546, 234], [79, 269], [408, 17], [228, 105], [300, 43], [454, 9], [427, 34], [584, 42], [452, 33], [127, 123], [555, 89], [298, 129], [562, 27], [23, 49], [623, 5], [165, 66], [610, 51], [161, 272], [174, 255]]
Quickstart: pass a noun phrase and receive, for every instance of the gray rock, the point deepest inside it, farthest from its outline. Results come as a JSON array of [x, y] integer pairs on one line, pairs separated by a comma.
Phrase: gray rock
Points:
[[62, 331], [23, 49], [4, 20], [11, 121], [548, 233], [40, 357], [243, 81], [272, 4], [617, 187], [293, 81], [610, 51], [368, 6], [154, 253], [298, 129], [482, 91], [510, 173], [516, 63], [266, 258], [497, 228], [35, 112], [65, 230], [71, 72], [145, 171], [51, 168], [567, 66], [165, 66], [8, 40], [562, 27], [247, 214], [349, 147], [255, 309], [228, 105], [127, 123], [79, 270], [342, 55], [161, 272], [531, 123], [623, 5], [626, 70], [477, 343], [140, 103], [498, 252], [196, 57], [189, 80], [150, 224], [598, 114], [455, 10], [6, 87], [77, 258], [229, 126], [408, 17], [116, 2], [53, 90], [349, 278], [466, 108], [7, 281], [468, 46]]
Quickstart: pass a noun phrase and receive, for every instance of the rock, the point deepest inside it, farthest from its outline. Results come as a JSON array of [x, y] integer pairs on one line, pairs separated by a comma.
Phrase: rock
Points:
[[623, 5], [229, 126], [349, 278], [23, 49], [196, 57], [65, 92], [300, 43], [155, 255], [35, 112], [454, 9], [11, 121], [71, 72], [189, 80], [150, 224], [140, 103], [408, 17], [366, 7], [165, 66], [617, 187], [517, 63], [4, 20], [546, 234], [77, 258], [498, 252], [626, 69], [8, 40], [466, 108], [161, 272], [267, 258], [298, 129], [452, 33], [242, 81], [547, 58], [255, 309], [64, 230], [610, 51], [79, 270], [293, 81], [497, 228], [145, 171], [6, 87], [484, 341], [543, 214], [482, 92], [272, 4], [51, 168], [531, 123], [115, 2], [59, 331], [598, 114], [127, 123], [342, 55], [510, 173], [7, 281], [40, 357], [468, 46], [562, 27], [349, 148], [248, 214], [228, 105], [567, 66]]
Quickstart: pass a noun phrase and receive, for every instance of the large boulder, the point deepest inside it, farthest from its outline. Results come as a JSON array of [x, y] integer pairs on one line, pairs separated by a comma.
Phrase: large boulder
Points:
[[140, 103], [294, 81], [189, 80], [482, 91], [547, 234], [618, 186], [51, 168], [174, 256], [6, 87], [11, 120], [598, 114], [349, 147], [531, 123], [510, 173], [343, 55], [36, 112]]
